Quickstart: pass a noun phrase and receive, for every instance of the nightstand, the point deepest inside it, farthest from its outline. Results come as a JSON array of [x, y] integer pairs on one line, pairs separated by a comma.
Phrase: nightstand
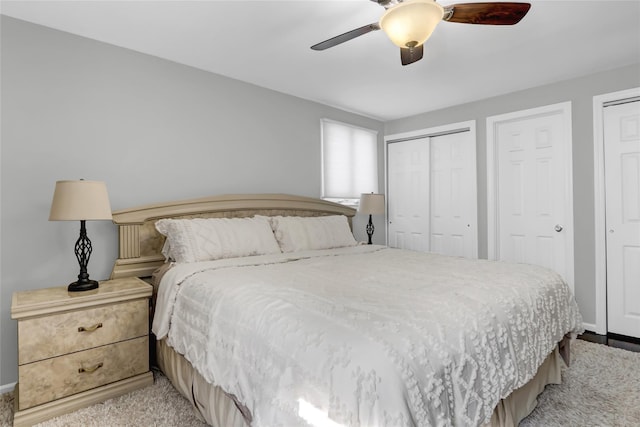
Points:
[[77, 349]]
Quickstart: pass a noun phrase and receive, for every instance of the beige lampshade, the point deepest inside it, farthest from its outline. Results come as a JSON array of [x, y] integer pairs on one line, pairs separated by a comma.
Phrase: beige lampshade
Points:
[[371, 203], [80, 200], [411, 22]]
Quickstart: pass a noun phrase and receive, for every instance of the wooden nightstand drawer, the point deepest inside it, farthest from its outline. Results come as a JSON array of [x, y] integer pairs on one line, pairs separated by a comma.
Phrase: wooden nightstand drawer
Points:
[[54, 335], [62, 376]]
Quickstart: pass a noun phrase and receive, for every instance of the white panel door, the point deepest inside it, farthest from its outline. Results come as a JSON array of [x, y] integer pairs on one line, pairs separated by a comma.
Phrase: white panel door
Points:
[[622, 188], [453, 195], [532, 189], [408, 194]]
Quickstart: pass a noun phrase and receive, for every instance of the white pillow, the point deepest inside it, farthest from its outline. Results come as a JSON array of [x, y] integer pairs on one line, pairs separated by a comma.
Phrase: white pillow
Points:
[[295, 233], [203, 239]]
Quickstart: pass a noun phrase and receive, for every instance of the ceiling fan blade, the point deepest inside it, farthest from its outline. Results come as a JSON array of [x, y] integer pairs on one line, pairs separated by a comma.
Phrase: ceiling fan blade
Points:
[[334, 41], [498, 13], [409, 55]]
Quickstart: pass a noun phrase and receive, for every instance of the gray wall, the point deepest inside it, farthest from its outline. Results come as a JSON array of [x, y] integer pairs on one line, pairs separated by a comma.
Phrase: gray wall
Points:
[[580, 92], [153, 130]]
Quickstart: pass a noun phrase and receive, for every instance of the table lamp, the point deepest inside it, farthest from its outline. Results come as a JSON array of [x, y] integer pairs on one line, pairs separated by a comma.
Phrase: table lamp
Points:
[[372, 204], [81, 201]]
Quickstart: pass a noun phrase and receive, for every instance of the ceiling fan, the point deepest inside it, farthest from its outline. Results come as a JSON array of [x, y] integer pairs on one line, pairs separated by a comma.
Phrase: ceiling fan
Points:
[[409, 23]]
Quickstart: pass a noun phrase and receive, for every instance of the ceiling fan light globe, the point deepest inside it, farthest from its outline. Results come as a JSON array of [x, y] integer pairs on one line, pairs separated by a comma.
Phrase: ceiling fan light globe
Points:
[[411, 22]]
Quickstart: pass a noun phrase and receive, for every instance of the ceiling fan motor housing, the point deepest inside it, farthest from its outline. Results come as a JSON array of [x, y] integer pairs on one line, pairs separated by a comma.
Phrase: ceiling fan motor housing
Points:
[[387, 3]]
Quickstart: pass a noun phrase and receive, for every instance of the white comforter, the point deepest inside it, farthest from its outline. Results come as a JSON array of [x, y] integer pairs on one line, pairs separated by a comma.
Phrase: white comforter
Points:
[[368, 335]]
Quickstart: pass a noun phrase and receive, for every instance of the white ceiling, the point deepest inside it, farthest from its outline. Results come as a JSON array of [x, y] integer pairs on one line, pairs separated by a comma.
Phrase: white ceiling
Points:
[[267, 43]]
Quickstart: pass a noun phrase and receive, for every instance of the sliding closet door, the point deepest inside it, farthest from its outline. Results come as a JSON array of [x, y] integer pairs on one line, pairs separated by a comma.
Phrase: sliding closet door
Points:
[[408, 194], [431, 192], [453, 195]]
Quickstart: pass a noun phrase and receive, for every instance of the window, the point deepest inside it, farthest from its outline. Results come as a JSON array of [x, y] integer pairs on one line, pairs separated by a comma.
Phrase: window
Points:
[[349, 162]]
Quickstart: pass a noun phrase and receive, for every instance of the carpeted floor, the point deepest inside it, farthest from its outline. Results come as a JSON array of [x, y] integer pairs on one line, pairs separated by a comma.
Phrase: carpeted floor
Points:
[[601, 389]]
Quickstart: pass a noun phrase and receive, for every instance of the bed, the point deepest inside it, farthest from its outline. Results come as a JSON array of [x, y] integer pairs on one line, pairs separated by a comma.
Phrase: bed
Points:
[[320, 330]]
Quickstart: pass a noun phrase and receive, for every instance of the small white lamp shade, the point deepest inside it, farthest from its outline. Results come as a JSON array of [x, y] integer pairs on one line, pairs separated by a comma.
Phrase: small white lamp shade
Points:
[[80, 200], [410, 23], [371, 203]]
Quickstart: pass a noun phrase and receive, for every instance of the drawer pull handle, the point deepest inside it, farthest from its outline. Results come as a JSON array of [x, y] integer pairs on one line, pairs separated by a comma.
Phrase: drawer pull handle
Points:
[[92, 369], [90, 328]]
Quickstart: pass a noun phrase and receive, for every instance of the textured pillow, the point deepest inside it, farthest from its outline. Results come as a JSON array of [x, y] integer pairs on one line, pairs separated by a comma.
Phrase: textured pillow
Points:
[[203, 239], [295, 233]]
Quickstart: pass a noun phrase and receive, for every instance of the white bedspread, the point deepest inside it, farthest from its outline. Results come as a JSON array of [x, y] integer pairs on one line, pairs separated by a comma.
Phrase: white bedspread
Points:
[[369, 335]]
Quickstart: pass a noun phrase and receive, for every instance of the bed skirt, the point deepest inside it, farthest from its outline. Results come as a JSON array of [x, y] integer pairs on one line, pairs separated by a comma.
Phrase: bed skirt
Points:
[[220, 409]]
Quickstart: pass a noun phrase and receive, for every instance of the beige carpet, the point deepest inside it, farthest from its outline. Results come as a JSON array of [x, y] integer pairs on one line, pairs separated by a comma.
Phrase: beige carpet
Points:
[[602, 388]]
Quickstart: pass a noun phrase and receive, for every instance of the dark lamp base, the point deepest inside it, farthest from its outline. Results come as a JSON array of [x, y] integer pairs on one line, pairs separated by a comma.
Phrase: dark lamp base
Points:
[[84, 285], [370, 229]]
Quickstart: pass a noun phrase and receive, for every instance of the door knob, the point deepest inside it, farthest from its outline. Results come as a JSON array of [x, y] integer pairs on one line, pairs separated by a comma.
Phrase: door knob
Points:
[[558, 228]]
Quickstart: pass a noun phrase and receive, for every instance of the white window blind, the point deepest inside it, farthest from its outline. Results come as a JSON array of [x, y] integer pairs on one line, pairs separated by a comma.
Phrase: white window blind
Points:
[[349, 162]]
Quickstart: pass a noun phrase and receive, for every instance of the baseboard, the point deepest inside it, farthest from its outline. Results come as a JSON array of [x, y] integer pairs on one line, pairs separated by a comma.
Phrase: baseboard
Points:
[[590, 327], [6, 388]]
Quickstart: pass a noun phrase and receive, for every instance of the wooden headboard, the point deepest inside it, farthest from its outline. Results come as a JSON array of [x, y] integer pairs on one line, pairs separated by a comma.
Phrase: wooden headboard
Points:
[[140, 245]]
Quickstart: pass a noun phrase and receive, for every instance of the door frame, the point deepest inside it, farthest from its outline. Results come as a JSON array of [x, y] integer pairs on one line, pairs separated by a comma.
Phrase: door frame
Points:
[[599, 103], [493, 220], [466, 126]]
